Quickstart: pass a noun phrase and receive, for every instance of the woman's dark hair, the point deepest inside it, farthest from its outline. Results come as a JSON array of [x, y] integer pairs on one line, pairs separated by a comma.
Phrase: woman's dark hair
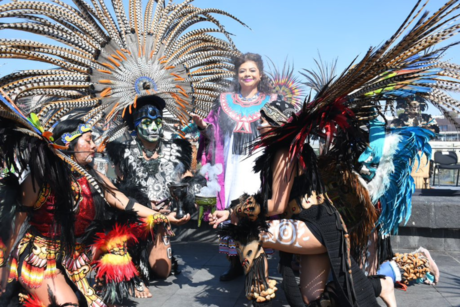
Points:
[[264, 84]]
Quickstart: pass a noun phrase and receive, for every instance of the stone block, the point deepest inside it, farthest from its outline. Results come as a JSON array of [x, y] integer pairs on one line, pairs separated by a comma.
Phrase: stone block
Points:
[[452, 240], [447, 215], [411, 238], [423, 215]]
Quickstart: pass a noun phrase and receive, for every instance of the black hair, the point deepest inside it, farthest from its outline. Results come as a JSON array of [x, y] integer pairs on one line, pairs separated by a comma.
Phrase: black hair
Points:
[[264, 85]]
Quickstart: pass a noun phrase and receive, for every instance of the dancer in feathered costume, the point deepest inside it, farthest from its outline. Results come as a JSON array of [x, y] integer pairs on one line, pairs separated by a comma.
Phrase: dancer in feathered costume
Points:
[[290, 171], [147, 163], [105, 63], [386, 166], [62, 198]]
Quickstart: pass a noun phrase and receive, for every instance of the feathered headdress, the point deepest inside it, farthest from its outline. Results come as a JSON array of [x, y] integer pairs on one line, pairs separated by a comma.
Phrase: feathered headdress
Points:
[[398, 68], [286, 84], [105, 63], [108, 61]]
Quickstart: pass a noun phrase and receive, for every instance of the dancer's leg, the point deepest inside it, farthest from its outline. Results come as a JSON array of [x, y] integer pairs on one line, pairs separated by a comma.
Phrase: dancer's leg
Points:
[[161, 254], [294, 236], [60, 289], [314, 271]]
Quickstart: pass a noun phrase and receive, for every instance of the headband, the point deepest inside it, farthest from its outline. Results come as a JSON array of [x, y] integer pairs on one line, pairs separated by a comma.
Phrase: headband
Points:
[[68, 137], [278, 112]]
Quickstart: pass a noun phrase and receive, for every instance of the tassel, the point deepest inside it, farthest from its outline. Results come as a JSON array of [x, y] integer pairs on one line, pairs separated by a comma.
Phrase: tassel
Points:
[[3, 257], [115, 267], [13, 270], [32, 276], [257, 286], [51, 270]]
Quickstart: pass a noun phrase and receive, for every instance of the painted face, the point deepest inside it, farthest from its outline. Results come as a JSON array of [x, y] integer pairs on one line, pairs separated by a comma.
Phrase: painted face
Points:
[[264, 126], [413, 108], [249, 75], [150, 130], [85, 149]]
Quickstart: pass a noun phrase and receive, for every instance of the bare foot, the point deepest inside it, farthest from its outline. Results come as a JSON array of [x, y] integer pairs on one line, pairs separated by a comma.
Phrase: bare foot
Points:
[[432, 265], [388, 292], [141, 291]]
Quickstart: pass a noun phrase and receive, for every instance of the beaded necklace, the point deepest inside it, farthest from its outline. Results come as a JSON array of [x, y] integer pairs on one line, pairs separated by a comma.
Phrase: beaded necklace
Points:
[[256, 96], [148, 153]]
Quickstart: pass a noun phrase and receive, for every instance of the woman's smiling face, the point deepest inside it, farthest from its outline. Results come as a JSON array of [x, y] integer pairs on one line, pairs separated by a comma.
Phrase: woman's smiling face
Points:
[[249, 75]]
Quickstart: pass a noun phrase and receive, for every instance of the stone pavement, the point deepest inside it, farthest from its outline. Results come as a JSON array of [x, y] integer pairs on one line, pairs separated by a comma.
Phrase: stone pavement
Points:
[[199, 285]]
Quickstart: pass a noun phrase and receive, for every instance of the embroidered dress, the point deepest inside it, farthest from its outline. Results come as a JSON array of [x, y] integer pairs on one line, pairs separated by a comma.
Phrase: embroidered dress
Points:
[[234, 123]]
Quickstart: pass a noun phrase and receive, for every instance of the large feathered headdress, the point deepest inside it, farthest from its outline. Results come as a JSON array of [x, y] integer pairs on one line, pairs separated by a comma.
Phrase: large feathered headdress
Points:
[[105, 59], [401, 67], [106, 62], [407, 64]]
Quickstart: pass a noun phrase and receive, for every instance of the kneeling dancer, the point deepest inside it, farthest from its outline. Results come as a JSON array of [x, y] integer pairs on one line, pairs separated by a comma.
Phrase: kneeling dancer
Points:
[[315, 230], [59, 200]]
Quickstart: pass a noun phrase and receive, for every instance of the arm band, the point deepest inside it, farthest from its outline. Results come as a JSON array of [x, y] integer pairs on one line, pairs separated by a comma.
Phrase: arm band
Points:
[[21, 208], [130, 205]]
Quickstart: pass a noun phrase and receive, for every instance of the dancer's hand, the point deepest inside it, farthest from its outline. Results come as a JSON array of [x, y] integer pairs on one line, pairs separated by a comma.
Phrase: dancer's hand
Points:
[[164, 209], [218, 217], [173, 220], [199, 121]]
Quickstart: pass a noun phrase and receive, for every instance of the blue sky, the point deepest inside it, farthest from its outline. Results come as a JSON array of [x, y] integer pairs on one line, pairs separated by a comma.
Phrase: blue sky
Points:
[[301, 29]]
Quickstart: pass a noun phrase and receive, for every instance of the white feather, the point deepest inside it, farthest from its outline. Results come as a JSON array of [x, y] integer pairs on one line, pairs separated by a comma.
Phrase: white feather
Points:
[[378, 185]]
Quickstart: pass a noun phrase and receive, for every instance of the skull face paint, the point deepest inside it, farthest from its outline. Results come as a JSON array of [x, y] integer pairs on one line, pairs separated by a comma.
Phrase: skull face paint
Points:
[[150, 130], [413, 108]]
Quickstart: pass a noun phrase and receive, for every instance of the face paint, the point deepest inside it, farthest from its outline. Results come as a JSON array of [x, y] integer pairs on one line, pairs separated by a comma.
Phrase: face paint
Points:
[[85, 149], [150, 130]]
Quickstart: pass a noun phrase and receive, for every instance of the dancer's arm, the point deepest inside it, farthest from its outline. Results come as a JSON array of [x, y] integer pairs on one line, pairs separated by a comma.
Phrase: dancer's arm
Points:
[[283, 180], [282, 185], [120, 201], [199, 121]]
